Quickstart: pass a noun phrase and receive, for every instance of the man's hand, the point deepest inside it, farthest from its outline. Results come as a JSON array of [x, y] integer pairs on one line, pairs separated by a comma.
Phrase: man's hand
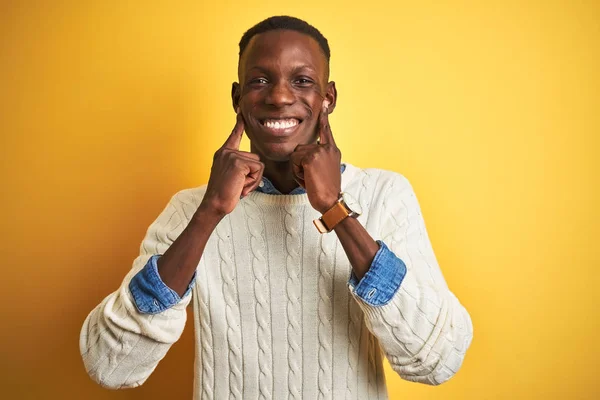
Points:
[[317, 166], [234, 173]]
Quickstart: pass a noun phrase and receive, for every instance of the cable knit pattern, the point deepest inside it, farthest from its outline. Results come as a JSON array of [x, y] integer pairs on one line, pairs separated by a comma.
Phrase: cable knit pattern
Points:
[[262, 294], [325, 315], [354, 324], [372, 369], [293, 245], [354, 311], [276, 280], [208, 362], [365, 199], [232, 312]]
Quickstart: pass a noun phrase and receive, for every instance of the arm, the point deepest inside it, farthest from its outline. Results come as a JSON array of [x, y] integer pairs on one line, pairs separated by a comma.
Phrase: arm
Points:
[[233, 175], [178, 265], [423, 329], [421, 326], [358, 245], [123, 338], [120, 345]]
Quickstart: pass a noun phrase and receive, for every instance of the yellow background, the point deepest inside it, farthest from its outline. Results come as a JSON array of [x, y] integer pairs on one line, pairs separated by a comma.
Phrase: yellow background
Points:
[[107, 108]]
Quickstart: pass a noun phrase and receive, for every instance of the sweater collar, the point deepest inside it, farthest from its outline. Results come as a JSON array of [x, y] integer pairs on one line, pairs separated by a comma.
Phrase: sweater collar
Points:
[[299, 199], [267, 187]]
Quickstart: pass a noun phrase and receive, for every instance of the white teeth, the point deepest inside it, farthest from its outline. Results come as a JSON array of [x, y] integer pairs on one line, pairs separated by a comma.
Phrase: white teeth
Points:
[[281, 124]]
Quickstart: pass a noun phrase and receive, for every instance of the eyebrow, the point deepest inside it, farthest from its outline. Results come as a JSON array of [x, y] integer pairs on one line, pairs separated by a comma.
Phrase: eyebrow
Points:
[[301, 67], [295, 69]]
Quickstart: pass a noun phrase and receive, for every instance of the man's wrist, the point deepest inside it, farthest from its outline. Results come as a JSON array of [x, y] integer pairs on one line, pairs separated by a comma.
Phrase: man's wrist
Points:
[[207, 216], [328, 204]]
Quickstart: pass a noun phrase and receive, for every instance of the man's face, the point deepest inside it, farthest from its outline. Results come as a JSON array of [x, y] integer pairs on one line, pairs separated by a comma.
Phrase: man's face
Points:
[[283, 82]]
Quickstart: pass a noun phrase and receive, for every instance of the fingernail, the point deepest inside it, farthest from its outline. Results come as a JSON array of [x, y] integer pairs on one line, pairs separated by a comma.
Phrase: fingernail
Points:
[[237, 110], [326, 104]]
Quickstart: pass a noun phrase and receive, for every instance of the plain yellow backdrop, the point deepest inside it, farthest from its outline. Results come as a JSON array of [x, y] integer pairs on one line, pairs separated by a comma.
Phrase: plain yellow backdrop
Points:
[[491, 109]]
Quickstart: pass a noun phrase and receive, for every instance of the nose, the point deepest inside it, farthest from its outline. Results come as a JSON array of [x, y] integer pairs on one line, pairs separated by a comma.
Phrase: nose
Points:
[[280, 94]]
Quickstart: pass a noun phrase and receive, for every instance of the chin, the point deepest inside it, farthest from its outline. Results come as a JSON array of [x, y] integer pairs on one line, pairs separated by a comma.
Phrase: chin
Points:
[[276, 149], [279, 152]]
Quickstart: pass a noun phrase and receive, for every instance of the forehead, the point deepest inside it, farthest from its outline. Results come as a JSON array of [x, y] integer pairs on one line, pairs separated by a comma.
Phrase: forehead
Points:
[[280, 49]]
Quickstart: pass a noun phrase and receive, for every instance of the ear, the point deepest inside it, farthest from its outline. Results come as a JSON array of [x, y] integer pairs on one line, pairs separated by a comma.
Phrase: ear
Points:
[[236, 95], [331, 96]]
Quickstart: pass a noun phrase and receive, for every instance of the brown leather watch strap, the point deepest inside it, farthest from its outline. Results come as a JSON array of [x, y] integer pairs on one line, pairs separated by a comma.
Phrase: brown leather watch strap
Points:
[[335, 215]]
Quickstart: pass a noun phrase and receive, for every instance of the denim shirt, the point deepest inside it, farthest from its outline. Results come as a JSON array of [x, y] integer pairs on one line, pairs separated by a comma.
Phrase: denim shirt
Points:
[[376, 288]]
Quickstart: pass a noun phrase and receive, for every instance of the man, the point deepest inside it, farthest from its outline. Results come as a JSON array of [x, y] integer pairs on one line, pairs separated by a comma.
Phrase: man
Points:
[[292, 295]]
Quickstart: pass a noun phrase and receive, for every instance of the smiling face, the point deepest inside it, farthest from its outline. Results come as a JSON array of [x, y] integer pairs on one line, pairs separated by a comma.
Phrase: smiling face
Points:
[[283, 82]]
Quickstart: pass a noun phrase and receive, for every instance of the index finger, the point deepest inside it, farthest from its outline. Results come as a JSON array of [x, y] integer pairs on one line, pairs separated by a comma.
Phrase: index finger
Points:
[[325, 135], [235, 138]]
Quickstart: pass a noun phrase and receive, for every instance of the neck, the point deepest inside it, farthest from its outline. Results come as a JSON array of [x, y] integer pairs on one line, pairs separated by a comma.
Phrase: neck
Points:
[[280, 173]]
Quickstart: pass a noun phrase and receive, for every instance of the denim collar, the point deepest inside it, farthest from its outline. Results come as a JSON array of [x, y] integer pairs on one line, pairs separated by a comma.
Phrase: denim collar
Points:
[[267, 187]]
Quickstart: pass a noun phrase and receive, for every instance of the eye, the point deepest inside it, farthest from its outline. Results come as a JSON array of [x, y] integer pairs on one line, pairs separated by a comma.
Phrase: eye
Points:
[[259, 81], [303, 81]]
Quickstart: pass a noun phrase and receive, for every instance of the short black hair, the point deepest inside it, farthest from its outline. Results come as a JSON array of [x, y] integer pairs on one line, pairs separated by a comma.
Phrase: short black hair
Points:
[[289, 23]]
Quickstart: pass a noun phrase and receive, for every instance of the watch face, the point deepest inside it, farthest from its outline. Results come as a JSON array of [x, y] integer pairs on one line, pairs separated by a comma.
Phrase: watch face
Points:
[[351, 203]]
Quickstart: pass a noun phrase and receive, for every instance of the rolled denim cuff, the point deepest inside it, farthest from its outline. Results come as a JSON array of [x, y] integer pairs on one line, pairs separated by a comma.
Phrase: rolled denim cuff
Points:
[[150, 294], [382, 280]]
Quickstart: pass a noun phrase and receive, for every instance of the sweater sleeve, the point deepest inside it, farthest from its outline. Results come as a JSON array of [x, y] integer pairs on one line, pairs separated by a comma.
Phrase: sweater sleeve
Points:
[[120, 345], [423, 330]]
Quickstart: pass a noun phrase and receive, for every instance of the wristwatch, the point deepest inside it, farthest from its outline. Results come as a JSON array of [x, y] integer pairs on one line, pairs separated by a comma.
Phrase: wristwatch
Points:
[[345, 207]]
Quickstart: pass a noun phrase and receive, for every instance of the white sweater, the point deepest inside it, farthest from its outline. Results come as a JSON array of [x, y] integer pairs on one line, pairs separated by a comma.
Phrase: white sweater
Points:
[[274, 315]]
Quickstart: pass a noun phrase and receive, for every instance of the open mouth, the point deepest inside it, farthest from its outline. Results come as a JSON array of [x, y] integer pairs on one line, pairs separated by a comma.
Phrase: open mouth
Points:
[[280, 124]]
